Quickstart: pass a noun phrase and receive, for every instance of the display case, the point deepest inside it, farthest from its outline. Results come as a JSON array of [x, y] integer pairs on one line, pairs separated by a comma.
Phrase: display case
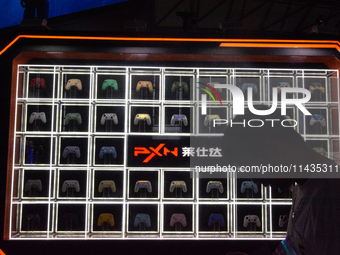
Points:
[[100, 151]]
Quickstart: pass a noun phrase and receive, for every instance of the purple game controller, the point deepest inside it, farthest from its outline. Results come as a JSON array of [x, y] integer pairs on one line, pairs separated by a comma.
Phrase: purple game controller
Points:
[[142, 218], [71, 150], [251, 219], [249, 185], [318, 118], [245, 87], [216, 218]]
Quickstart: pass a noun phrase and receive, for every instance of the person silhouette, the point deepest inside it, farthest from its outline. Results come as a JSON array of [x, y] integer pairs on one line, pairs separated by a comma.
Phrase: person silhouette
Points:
[[33, 7]]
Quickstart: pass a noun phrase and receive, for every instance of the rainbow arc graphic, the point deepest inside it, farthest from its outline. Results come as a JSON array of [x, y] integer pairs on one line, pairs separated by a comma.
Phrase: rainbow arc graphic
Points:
[[204, 97]]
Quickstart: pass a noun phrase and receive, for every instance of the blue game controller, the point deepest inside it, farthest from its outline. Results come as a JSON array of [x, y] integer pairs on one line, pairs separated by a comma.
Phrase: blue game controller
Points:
[[108, 150], [142, 218], [216, 218]]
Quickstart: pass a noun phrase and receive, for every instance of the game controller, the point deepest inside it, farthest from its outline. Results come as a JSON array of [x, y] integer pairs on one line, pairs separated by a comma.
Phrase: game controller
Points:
[[108, 150], [178, 184], [209, 118], [282, 85], [73, 184], [38, 83], [144, 84], [142, 218], [70, 218], [214, 185], [142, 184], [245, 87], [109, 116], [107, 184], [182, 85], [31, 218], [178, 217], [179, 117], [320, 150], [317, 118], [283, 219], [71, 150], [251, 219], [33, 184], [73, 83], [73, 116], [37, 116], [216, 218], [34, 150], [143, 117], [213, 84], [316, 86], [106, 217], [110, 83], [249, 185]]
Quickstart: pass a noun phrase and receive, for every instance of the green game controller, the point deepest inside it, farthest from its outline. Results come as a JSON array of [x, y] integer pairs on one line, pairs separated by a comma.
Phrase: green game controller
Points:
[[110, 83], [183, 85]]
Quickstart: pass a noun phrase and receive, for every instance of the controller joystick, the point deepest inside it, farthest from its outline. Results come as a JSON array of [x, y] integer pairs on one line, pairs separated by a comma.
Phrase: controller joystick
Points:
[[251, 219], [37, 116]]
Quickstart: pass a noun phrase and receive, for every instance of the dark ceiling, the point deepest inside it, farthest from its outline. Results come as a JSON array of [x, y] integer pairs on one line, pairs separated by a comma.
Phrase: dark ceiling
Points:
[[245, 17]]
